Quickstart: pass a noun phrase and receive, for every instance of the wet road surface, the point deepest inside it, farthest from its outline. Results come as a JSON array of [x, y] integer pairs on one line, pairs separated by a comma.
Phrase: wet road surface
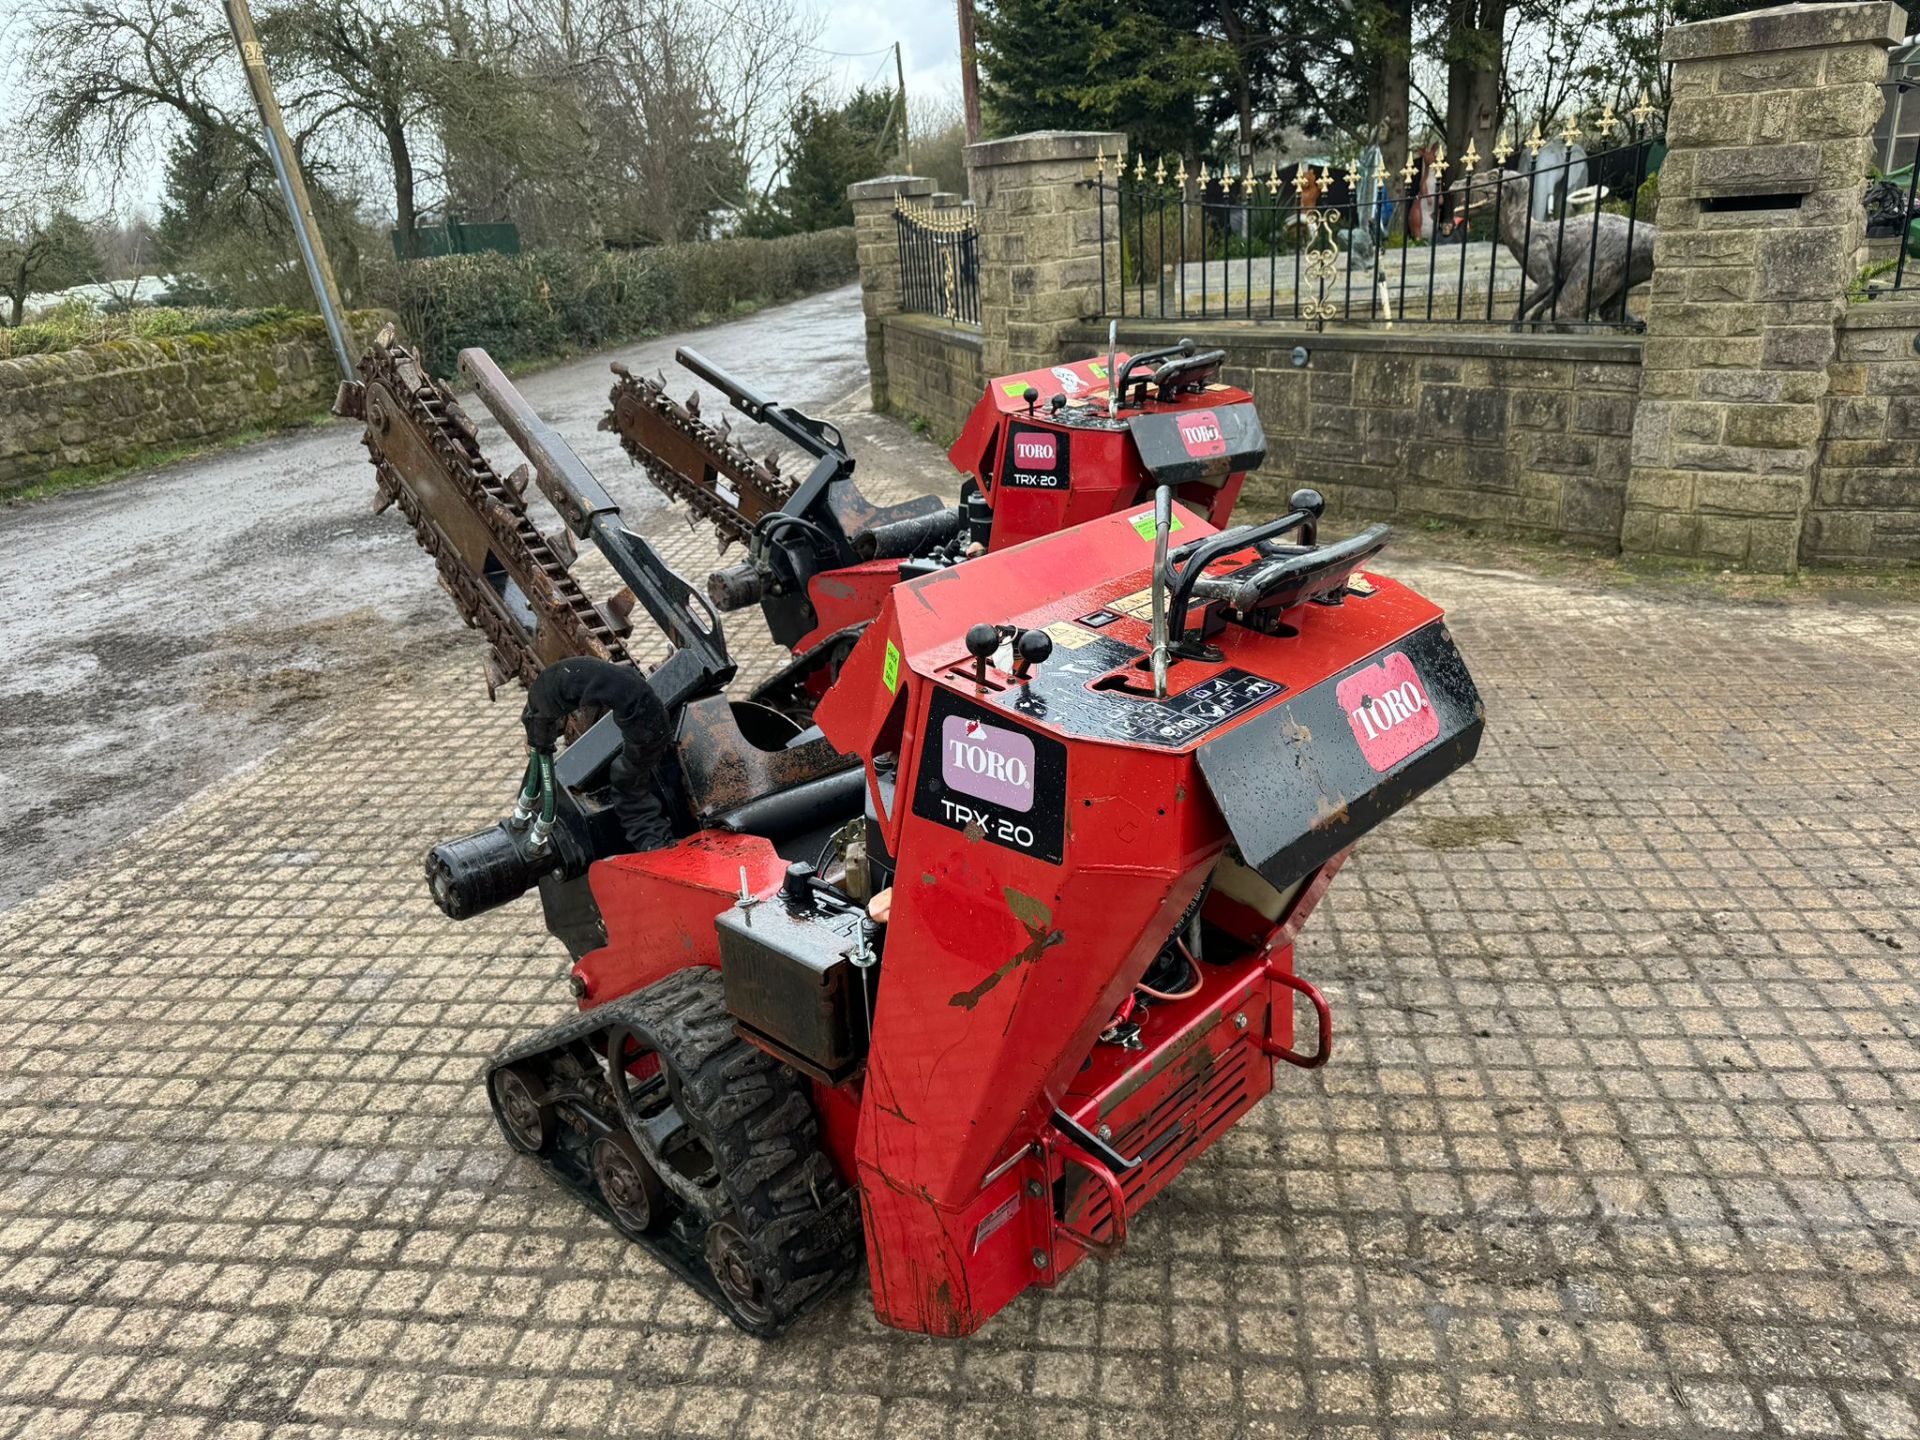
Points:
[[168, 629]]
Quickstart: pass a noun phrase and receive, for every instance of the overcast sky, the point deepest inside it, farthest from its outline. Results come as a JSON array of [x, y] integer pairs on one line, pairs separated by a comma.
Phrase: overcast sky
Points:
[[855, 41], [929, 36]]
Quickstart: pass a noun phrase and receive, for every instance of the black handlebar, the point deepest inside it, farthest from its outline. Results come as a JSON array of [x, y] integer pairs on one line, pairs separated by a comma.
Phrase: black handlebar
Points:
[[1144, 359], [1170, 372], [1288, 580]]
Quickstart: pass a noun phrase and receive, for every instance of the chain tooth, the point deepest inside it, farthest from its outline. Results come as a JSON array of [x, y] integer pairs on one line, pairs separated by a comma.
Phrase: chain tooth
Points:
[[556, 597], [721, 452]]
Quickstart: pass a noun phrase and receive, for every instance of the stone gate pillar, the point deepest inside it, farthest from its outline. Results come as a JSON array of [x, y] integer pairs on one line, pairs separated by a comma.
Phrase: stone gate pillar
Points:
[[1040, 240], [877, 250], [1761, 229]]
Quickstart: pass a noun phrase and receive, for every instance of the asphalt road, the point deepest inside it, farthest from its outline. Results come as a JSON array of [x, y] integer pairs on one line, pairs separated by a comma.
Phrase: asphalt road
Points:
[[168, 629]]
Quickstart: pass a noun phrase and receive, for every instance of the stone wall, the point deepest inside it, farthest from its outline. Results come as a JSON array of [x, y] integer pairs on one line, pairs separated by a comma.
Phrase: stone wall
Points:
[[1760, 420], [1514, 433], [1761, 229], [932, 371], [1866, 489], [877, 249], [1040, 240], [111, 404]]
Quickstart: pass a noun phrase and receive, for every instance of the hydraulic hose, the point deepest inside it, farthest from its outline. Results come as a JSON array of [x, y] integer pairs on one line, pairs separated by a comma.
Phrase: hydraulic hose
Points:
[[646, 733]]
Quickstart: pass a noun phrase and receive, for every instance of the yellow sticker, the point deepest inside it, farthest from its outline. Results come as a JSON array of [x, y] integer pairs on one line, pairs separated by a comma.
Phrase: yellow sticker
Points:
[[890, 672], [1065, 632], [1139, 604]]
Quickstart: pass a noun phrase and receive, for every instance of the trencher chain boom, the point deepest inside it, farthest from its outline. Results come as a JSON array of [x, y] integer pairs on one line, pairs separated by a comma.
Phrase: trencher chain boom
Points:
[[948, 948]]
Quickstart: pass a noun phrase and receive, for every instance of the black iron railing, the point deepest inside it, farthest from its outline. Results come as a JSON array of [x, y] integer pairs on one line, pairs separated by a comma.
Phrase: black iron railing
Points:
[[1440, 242], [1892, 213], [939, 261]]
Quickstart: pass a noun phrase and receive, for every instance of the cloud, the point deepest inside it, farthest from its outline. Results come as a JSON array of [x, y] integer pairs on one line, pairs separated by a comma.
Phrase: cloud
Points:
[[929, 36]]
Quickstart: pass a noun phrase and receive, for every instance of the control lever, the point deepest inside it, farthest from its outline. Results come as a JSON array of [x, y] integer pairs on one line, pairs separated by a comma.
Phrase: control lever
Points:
[[1162, 524], [982, 641], [1031, 649]]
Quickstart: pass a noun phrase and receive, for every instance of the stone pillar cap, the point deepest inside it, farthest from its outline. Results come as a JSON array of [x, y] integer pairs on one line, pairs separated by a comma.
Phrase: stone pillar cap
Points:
[[1788, 27], [885, 187], [1042, 145]]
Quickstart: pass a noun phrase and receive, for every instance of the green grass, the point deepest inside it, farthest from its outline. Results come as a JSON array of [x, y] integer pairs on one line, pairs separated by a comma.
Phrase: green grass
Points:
[[74, 326]]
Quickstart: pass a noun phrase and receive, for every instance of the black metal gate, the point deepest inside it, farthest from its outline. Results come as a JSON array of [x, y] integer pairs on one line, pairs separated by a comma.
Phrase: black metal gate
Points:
[[1439, 243], [939, 261]]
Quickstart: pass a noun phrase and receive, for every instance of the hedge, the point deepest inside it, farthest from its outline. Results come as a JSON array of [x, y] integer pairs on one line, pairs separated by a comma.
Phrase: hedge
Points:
[[546, 302]]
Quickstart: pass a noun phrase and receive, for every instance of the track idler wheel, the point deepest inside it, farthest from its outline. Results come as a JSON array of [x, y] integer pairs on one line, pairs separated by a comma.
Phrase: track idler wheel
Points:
[[628, 1184], [740, 1273], [737, 1132], [526, 1118]]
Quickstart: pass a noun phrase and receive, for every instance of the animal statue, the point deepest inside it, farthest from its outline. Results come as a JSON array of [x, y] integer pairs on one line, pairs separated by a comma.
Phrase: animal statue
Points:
[[1575, 269]]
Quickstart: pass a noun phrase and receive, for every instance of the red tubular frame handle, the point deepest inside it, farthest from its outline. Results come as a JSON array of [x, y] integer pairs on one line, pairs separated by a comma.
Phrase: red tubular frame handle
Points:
[[1324, 1050], [1116, 1197]]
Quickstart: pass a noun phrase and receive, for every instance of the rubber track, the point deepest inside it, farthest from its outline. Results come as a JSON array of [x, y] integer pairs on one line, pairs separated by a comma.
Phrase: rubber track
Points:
[[755, 1117], [757, 1120]]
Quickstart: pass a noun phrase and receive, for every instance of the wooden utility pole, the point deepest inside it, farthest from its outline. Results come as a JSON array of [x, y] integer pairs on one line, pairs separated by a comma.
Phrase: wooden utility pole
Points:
[[293, 189], [969, 74], [900, 74]]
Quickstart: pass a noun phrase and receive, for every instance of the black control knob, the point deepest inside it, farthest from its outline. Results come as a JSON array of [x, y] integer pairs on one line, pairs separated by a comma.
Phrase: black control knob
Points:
[[1057, 404], [1031, 396], [982, 640], [1031, 649], [1311, 502]]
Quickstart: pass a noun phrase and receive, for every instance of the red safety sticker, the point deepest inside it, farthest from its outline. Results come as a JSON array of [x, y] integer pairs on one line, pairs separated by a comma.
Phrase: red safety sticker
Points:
[[1035, 450], [1200, 432], [1388, 709]]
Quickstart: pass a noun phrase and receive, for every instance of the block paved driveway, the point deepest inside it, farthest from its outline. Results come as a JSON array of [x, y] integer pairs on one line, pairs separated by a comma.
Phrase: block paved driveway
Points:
[[1620, 1137]]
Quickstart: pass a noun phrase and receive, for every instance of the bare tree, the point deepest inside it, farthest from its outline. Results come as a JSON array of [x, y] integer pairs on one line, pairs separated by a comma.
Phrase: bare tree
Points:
[[113, 74], [42, 245], [579, 118], [676, 107]]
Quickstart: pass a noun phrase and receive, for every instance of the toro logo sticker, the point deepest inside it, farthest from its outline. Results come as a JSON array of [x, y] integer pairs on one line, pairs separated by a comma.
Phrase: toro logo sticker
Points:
[[1200, 432], [1387, 707], [992, 781], [1036, 450], [987, 762], [1036, 459]]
